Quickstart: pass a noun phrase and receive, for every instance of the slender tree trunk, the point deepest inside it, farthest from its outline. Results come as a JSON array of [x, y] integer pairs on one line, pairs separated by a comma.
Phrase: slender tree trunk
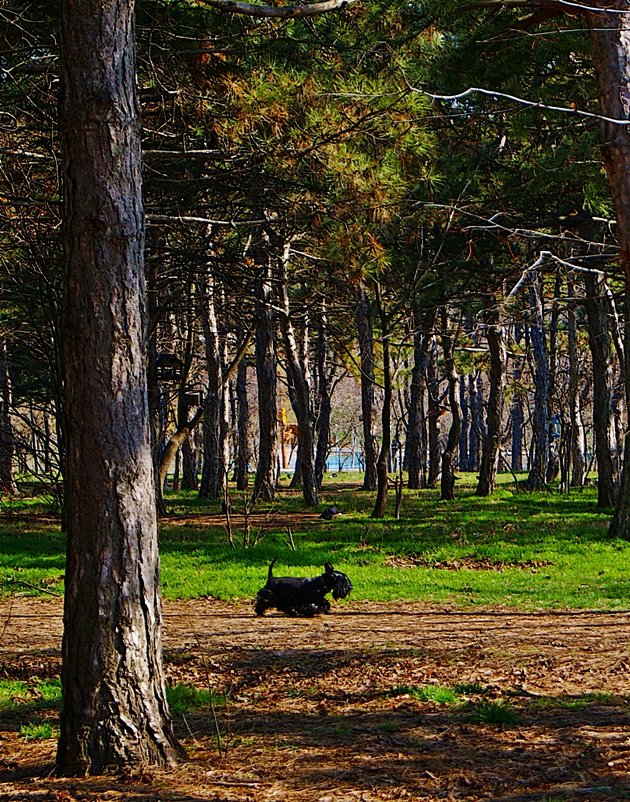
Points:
[[466, 410], [382, 480], [7, 440], [576, 440], [266, 478], [114, 711], [366, 352], [449, 455], [433, 417], [325, 373], [213, 470], [416, 437], [242, 428], [601, 354], [537, 477], [498, 359], [303, 406]]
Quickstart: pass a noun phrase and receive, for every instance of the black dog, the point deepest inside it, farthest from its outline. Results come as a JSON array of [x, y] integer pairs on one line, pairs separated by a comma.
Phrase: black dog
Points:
[[302, 595]]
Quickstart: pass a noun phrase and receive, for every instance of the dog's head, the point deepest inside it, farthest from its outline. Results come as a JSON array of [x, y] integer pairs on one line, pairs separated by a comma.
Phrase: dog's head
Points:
[[340, 583]]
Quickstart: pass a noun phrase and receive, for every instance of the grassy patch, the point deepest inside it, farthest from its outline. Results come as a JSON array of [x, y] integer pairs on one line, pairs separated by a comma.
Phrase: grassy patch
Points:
[[184, 698], [522, 550]]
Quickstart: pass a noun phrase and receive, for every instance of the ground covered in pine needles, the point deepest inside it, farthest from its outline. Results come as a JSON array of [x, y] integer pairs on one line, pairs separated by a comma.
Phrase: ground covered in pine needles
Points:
[[372, 702]]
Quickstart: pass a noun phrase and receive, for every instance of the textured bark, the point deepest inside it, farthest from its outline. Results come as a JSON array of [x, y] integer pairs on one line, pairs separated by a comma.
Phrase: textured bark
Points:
[[114, 712], [7, 440], [498, 359], [266, 376], [610, 45], [601, 346], [382, 480], [576, 439], [325, 374], [416, 440], [449, 455], [242, 428], [214, 462], [537, 477], [298, 373], [366, 353]]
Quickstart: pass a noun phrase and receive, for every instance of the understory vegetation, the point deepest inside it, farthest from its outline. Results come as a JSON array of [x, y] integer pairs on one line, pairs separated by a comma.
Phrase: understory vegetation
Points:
[[529, 550]]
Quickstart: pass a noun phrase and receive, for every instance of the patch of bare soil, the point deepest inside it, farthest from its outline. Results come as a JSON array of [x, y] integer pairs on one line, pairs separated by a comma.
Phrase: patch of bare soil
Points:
[[327, 709]]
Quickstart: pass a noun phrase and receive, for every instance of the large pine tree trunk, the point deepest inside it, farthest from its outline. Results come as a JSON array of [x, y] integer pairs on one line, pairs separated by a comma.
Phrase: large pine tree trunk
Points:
[[498, 359], [242, 428], [610, 44], [114, 712]]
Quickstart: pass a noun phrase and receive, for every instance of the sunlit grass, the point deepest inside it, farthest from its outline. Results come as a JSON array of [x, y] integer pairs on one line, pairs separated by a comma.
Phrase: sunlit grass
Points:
[[525, 550]]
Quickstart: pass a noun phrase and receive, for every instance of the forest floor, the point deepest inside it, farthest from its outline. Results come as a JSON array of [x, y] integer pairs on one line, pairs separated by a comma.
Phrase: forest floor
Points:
[[331, 709]]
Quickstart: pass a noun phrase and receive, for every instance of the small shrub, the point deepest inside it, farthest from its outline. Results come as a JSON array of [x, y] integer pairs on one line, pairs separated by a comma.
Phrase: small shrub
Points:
[[488, 712], [183, 698], [438, 694], [37, 732]]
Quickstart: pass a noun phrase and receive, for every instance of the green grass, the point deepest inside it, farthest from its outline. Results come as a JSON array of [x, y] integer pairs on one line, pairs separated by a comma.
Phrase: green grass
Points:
[[438, 694], [34, 731], [184, 698], [523, 550]]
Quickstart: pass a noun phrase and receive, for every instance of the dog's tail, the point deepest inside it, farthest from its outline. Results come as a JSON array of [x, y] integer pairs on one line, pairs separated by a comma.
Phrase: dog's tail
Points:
[[270, 571]]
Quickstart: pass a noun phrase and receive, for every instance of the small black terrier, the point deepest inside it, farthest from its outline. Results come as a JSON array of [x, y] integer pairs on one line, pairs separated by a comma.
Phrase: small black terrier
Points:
[[302, 596]]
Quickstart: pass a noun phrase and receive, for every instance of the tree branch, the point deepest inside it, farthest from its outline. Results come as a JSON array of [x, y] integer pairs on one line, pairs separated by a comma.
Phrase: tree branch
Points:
[[279, 12]]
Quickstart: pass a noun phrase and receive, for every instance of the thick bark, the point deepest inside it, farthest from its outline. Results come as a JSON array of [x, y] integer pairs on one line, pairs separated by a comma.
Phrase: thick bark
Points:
[[435, 412], [449, 455], [601, 346], [517, 416], [610, 44], [498, 358], [114, 711], [366, 353]]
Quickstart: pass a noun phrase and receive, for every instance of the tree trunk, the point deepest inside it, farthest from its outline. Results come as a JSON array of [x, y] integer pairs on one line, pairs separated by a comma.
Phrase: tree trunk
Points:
[[498, 359], [325, 374], [610, 44], [214, 467], [382, 479], [601, 355], [114, 711], [266, 376], [7, 440], [537, 478], [449, 455], [416, 438], [366, 352], [434, 414], [242, 428], [576, 440], [297, 370]]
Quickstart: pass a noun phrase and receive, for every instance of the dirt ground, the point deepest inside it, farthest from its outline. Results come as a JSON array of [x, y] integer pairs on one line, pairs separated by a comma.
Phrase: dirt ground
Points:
[[326, 710]]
